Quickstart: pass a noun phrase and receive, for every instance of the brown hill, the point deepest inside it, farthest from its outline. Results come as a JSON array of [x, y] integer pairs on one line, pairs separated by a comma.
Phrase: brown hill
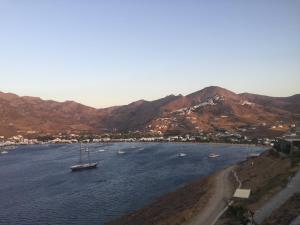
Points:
[[135, 115], [34, 114], [205, 110], [215, 107], [291, 104]]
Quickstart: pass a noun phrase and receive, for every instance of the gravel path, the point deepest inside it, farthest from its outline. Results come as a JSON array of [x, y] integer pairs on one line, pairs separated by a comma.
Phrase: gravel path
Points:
[[277, 200], [223, 193]]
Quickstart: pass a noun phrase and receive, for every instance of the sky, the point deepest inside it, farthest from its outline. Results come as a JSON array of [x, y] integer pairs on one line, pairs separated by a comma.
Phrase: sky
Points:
[[105, 53]]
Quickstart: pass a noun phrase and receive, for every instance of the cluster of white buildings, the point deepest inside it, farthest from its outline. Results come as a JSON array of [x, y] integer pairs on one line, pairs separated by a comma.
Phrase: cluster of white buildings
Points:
[[238, 136], [17, 140], [211, 101]]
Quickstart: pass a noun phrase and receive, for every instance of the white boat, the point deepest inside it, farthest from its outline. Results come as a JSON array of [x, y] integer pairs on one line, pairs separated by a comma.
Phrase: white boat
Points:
[[4, 152], [253, 155], [120, 152], [181, 155], [213, 155], [101, 150]]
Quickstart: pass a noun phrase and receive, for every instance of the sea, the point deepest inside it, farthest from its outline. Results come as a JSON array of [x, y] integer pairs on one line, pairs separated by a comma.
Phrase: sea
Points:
[[37, 186]]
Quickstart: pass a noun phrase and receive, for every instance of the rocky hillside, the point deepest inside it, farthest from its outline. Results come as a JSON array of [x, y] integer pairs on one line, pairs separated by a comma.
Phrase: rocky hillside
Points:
[[206, 110], [32, 114]]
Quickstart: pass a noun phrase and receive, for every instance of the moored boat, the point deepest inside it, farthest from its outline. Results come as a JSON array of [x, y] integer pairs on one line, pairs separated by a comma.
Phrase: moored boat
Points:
[[81, 165], [253, 155], [120, 152], [181, 155], [213, 155]]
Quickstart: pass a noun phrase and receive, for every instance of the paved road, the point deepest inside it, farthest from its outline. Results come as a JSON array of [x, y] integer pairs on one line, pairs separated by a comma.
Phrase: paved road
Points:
[[223, 193], [277, 200]]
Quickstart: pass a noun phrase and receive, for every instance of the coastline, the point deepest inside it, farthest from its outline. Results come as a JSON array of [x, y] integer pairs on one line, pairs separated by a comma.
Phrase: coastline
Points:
[[146, 142], [205, 200], [191, 204], [183, 142]]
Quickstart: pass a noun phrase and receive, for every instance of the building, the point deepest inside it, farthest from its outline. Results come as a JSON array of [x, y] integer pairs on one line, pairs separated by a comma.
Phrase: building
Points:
[[289, 143]]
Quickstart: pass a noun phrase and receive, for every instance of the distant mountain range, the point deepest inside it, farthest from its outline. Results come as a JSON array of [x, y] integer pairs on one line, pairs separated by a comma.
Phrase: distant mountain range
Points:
[[209, 109]]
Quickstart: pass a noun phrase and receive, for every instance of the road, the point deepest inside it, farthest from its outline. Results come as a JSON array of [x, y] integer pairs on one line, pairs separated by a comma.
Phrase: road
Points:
[[277, 200], [223, 193]]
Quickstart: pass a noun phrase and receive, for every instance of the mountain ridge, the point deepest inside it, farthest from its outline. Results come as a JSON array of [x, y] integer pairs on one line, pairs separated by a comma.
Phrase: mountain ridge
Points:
[[204, 110]]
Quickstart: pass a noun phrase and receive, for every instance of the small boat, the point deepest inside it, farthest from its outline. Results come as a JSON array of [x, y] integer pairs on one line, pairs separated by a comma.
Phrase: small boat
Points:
[[101, 150], [213, 155], [253, 155], [81, 165], [4, 152], [181, 155], [120, 152]]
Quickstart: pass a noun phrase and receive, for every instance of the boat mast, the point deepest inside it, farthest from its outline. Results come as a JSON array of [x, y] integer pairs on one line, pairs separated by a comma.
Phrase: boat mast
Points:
[[88, 154], [80, 158]]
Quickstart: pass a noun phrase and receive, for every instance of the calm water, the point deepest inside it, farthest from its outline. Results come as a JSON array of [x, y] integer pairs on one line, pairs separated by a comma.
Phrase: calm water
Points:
[[37, 187]]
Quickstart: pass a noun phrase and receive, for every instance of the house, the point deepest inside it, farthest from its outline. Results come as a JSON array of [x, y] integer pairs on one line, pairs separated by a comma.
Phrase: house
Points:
[[288, 144]]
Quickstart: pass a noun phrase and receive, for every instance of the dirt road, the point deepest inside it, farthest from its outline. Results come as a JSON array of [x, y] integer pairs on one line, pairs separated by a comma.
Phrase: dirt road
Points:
[[223, 191]]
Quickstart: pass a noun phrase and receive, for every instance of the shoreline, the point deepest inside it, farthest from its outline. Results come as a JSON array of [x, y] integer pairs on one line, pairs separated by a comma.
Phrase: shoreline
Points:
[[146, 142], [217, 190], [191, 204], [183, 142]]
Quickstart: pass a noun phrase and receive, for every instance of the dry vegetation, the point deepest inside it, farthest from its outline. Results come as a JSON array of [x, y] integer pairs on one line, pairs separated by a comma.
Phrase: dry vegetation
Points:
[[286, 213], [265, 176], [268, 175]]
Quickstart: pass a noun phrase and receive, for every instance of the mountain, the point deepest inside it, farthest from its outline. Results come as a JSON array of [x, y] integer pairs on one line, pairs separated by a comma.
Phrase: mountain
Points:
[[215, 107], [291, 104], [210, 109], [34, 114], [136, 115]]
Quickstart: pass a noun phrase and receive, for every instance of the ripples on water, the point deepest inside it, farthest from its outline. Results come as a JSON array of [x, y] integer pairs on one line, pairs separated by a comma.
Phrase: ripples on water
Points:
[[37, 187]]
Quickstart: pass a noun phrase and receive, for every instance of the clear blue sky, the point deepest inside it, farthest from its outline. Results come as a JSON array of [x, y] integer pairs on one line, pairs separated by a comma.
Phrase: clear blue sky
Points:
[[104, 53]]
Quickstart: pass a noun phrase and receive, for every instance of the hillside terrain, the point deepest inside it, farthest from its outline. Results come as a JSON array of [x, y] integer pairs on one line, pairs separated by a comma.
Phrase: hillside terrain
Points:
[[208, 110]]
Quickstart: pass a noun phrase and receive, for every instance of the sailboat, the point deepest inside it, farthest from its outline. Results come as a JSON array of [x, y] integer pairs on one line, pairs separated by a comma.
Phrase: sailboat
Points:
[[81, 165]]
